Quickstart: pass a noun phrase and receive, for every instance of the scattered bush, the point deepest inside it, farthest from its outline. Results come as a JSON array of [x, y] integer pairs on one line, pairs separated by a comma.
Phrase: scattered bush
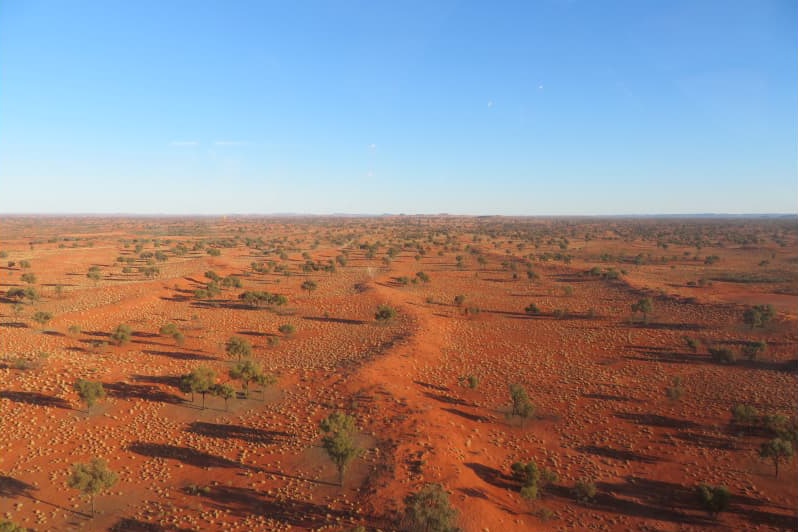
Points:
[[385, 314], [533, 479], [722, 355], [714, 499], [584, 490], [429, 510]]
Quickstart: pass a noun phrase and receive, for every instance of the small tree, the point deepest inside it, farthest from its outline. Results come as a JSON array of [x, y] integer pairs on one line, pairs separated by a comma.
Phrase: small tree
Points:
[[89, 392], [42, 318], [246, 372], [714, 499], [238, 347], [309, 286], [752, 350], [533, 479], [522, 406], [201, 381], [339, 441], [644, 306], [225, 391], [92, 478], [28, 278], [385, 314], [777, 450], [429, 510], [122, 334], [264, 380], [532, 309], [459, 300]]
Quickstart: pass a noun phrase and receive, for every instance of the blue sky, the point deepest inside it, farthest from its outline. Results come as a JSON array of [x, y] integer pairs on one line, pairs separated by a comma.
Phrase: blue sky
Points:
[[534, 107]]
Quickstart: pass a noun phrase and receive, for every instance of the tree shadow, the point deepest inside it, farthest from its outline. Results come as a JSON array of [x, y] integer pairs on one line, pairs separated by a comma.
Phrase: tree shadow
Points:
[[617, 454], [705, 440], [492, 476], [186, 455], [244, 502], [11, 488], [471, 417], [608, 397], [127, 524], [173, 381], [144, 392], [14, 325], [446, 399], [35, 398], [344, 321], [652, 499], [247, 434], [432, 386], [655, 420], [177, 355]]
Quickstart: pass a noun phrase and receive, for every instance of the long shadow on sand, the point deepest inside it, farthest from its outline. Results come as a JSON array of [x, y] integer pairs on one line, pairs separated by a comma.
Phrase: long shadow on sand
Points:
[[144, 392], [655, 420], [492, 476], [35, 398], [616, 454], [244, 502], [127, 524], [186, 455], [238, 432]]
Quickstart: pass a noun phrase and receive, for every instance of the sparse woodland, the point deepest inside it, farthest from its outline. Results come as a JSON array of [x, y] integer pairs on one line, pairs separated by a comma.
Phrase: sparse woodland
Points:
[[398, 373]]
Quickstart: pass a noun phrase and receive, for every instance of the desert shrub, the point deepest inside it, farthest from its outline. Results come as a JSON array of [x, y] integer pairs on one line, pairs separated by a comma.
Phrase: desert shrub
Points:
[[385, 314], [423, 277], [459, 300], [286, 329], [42, 318], [722, 355], [568, 290], [214, 252], [532, 478], [10, 526], [309, 286], [89, 392], [759, 315], [429, 510], [168, 330], [472, 311], [122, 334], [560, 313], [74, 330], [751, 350], [521, 405], [714, 499], [585, 490], [273, 341], [692, 343], [532, 309], [743, 414]]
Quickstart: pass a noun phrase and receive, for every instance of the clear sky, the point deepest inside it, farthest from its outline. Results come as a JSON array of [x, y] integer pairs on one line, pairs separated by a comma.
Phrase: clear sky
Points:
[[342, 106]]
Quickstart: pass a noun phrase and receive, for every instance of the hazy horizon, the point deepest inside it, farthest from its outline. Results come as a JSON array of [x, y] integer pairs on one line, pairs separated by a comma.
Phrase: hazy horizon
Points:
[[549, 108]]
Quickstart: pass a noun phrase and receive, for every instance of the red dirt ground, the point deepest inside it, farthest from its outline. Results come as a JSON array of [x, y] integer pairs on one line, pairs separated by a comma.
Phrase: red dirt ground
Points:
[[596, 374]]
